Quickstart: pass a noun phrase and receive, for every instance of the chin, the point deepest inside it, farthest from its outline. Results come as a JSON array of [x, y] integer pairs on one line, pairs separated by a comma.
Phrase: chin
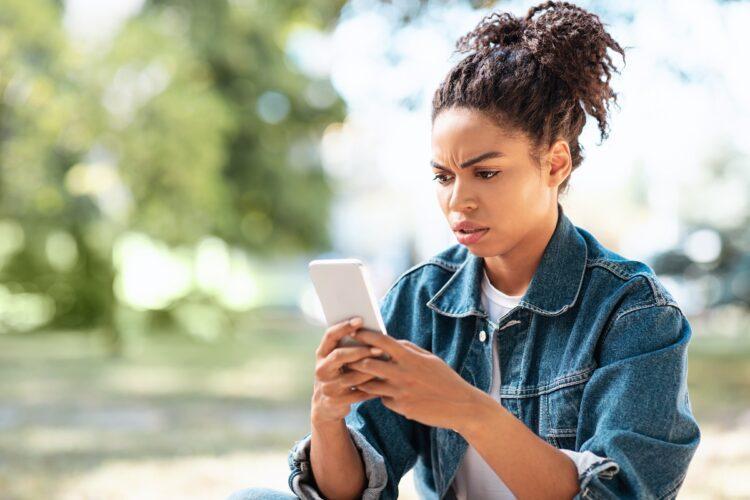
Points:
[[488, 248], [484, 249], [481, 252]]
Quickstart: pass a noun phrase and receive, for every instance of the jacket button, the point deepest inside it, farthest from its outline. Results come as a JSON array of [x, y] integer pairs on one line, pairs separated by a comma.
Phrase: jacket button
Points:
[[482, 336]]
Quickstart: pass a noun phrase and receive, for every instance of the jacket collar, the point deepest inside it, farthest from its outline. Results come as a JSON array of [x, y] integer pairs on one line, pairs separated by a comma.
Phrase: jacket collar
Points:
[[554, 287]]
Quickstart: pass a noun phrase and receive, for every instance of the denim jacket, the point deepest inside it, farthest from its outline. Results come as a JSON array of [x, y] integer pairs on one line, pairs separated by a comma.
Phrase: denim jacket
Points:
[[594, 357]]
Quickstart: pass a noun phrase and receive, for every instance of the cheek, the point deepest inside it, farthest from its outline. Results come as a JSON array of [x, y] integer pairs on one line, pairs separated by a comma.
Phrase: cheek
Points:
[[443, 196]]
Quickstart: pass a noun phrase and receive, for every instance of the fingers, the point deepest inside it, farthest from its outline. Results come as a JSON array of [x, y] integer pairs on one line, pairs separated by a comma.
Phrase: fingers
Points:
[[329, 404], [342, 384], [385, 342], [332, 394], [352, 378], [340, 388], [329, 367], [334, 333], [382, 369], [343, 355], [356, 396], [378, 387]]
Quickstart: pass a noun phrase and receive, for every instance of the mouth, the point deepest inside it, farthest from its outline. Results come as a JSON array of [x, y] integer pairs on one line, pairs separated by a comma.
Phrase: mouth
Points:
[[469, 237]]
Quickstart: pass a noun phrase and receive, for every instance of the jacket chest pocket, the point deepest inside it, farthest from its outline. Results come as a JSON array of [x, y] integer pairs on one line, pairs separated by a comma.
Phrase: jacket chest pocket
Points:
[[560, 409]]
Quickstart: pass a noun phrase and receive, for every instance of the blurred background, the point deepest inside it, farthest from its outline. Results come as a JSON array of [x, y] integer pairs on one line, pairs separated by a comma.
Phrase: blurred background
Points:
[[169, 167]]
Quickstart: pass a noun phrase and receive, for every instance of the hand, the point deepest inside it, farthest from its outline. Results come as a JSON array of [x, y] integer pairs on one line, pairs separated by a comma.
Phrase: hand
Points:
[[416, 383], [332, 393]]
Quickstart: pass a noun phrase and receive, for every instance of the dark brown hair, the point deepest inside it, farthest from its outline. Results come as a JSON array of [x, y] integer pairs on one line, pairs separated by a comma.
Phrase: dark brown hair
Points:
[[538, 76]]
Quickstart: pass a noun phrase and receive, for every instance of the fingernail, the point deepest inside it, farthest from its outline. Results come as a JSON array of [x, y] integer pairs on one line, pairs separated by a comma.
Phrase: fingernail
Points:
[[355, 321], [376, 351]]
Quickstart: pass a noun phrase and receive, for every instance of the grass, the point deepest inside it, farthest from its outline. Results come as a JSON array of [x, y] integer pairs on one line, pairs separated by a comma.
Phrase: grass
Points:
[[196, 419], [66, 408]]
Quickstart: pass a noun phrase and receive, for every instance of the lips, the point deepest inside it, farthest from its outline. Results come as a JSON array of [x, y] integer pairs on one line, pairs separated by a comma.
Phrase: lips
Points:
[[467, 226], [467, 238]]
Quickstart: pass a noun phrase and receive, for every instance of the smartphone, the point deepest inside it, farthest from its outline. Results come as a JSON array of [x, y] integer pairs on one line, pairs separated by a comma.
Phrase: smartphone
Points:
[[344, 290]]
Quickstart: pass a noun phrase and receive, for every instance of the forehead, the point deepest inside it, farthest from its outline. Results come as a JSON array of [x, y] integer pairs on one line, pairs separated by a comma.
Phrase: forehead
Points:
[[462, 131]]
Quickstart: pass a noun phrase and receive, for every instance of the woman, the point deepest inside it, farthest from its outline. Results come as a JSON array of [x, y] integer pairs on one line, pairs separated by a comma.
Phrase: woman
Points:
[[527, 360]]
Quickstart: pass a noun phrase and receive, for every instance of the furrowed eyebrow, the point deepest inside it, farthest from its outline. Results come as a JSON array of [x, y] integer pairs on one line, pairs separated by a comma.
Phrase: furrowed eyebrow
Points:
[[468, 163]]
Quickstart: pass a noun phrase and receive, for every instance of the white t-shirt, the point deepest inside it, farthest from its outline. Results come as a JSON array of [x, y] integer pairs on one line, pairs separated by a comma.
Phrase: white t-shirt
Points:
[[474, 478]]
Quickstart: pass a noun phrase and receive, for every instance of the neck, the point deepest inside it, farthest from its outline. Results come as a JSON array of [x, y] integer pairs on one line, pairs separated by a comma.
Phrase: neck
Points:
[[511, 273]]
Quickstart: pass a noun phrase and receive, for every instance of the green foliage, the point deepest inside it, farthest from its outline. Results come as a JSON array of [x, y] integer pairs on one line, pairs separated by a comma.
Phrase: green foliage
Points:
[[189, 122], [275, 197]]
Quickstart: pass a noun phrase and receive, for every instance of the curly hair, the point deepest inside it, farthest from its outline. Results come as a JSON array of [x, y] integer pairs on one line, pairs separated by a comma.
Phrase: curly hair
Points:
[[538, 76]]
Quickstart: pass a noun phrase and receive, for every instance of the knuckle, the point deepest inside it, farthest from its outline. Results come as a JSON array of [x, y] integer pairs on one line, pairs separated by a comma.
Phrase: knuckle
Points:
[[365, 354], [332, 332], [346, 353], [323, 392], [407, 344]]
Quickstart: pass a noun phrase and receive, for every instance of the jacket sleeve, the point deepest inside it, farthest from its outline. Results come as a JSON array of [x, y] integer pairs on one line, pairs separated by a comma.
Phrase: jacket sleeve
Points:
[[387, 441], [635, 413], [583, 459]]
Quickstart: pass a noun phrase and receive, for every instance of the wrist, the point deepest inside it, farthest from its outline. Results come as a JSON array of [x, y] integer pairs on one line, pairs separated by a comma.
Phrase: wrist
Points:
[[472, 421], [326, 425]]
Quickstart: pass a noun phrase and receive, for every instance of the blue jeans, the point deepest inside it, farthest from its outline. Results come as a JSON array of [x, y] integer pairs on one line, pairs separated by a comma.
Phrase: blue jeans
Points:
[[261, 494]]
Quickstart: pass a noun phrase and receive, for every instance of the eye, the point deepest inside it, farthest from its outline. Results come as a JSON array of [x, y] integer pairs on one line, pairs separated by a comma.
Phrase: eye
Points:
[[484, 174], [440, 178], [492, 173]]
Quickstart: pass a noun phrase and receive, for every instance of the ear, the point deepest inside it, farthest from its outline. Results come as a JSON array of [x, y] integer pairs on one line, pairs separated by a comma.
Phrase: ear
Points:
[[560, 162]]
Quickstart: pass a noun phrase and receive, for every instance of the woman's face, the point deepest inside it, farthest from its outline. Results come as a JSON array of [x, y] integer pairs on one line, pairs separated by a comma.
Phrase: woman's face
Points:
[[499, 186]]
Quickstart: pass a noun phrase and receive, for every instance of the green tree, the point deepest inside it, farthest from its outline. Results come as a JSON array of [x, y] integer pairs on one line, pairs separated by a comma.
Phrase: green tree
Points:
[[47, 123], [190, 122], [280, 201]]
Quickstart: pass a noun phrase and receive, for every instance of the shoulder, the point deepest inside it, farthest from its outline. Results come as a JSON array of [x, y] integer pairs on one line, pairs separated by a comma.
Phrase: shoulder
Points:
[[432, 273], [632, 282], [641, 314]]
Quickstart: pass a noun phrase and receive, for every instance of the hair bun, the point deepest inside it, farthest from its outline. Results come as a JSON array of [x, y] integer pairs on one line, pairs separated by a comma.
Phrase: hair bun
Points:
[[572, 43], [495, 30], [537, 75]]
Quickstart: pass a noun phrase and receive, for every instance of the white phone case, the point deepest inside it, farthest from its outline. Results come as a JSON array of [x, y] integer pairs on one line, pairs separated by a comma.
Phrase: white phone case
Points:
[[344, 290]]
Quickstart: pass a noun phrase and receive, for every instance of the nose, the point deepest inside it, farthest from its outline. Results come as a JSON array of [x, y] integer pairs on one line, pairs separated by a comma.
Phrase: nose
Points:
[[461, 198]]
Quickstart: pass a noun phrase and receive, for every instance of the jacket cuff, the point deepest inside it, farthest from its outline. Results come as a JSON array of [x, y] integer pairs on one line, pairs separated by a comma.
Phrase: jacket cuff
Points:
[[302, 482], [592, 469]]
